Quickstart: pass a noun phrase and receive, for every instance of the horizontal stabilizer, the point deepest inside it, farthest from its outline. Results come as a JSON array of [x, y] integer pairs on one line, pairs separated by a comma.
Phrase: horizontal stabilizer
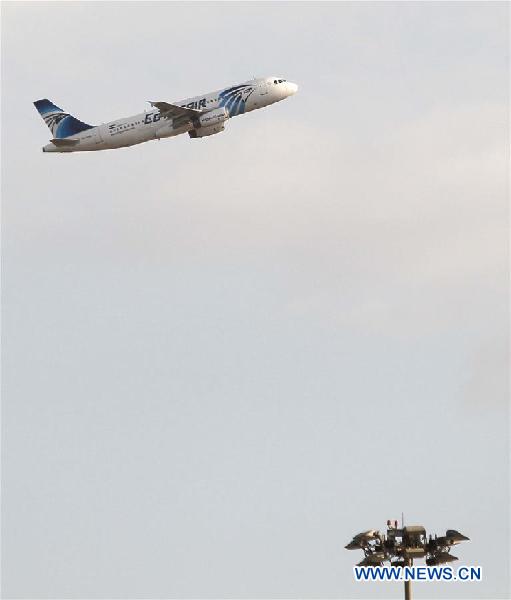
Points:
[[64, 142]]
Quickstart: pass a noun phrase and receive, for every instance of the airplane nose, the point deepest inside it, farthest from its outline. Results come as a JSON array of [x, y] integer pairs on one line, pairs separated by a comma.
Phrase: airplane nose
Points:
[[292, 87]]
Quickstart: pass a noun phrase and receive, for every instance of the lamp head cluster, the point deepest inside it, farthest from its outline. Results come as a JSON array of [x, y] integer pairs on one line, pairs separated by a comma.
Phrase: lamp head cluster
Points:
[[400, 545]]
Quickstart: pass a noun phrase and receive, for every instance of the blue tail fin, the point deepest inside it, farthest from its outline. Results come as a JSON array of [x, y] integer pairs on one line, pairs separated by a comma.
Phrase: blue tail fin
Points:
[[61, 124]]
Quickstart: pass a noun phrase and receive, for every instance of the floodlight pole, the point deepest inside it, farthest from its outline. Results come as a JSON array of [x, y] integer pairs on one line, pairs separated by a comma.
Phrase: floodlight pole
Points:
[[408, 583]]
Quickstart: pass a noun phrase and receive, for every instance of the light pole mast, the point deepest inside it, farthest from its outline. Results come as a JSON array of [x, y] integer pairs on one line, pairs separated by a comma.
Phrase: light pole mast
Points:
[[408, 583], [400, 545]]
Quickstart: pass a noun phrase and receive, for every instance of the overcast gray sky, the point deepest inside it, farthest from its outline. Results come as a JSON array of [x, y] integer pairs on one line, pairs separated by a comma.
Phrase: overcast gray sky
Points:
[[224, 357]]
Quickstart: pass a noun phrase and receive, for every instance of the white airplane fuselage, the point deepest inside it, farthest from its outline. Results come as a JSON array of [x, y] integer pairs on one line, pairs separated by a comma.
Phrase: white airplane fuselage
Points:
[[210, 113]]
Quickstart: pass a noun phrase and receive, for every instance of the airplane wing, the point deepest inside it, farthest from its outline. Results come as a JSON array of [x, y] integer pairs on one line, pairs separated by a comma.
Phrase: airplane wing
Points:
[[173, 111], [179, 115]]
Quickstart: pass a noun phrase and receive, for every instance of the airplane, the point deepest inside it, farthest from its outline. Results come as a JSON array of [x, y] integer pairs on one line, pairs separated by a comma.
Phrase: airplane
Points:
[[200, 116]]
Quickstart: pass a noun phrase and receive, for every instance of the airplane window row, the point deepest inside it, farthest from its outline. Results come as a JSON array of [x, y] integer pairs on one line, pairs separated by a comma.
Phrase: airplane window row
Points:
[[129, 125]]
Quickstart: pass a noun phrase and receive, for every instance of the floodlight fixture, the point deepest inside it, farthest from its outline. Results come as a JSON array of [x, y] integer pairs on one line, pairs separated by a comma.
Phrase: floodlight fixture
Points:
[[401, 545], [455, 536]]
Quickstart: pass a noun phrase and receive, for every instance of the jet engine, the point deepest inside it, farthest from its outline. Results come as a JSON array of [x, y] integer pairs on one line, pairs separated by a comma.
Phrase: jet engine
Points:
[[212, 117], [204, 131], [209, 123]]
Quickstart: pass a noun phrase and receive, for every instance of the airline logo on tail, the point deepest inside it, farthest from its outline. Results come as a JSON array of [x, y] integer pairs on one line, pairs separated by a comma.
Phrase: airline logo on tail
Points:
[[60, 123]]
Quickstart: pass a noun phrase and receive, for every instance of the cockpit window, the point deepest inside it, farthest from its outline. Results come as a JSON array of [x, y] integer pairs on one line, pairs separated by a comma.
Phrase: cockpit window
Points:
[[275, 81]]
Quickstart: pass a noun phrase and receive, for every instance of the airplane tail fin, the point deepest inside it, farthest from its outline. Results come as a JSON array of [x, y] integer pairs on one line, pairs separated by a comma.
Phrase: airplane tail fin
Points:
[[61, 124]]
